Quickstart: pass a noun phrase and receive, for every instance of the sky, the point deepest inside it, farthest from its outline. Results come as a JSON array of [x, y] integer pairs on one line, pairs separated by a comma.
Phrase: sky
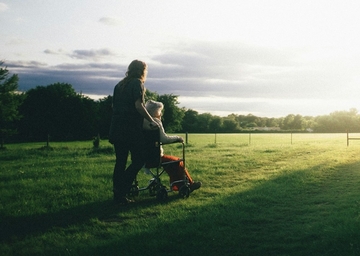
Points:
[[268, 58]]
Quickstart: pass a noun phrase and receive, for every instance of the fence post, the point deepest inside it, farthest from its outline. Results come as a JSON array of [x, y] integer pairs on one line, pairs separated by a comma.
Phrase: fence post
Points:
[[347, 138], [186, 137], [249, 138]]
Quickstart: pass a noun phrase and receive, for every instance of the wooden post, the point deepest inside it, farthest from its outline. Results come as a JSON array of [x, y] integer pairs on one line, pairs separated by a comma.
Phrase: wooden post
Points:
[[186, 137]]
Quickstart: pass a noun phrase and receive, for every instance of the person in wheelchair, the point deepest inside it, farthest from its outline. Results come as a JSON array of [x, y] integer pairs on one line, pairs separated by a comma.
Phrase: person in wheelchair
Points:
[[176, 171]]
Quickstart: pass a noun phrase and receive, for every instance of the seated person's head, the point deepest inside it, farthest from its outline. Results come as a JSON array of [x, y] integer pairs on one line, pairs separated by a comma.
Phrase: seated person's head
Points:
[[154, 108]]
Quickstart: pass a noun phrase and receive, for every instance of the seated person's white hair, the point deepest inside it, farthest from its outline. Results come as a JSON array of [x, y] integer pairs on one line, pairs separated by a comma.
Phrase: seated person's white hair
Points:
[[154, 107]]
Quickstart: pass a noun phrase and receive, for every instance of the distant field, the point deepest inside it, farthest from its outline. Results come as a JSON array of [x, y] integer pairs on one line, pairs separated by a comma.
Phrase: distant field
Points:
[[270, 138], [262, 194]]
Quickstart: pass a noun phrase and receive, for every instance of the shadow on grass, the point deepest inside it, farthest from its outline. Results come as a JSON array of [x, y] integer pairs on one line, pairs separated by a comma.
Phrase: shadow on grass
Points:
[[13, 229], [304, 212]]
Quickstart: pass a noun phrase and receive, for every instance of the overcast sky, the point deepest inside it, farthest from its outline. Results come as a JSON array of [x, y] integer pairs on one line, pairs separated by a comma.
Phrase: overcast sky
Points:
[[266, 58]]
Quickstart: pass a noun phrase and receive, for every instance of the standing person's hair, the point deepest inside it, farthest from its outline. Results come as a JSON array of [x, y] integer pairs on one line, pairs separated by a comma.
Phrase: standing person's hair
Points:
[[137, 69]]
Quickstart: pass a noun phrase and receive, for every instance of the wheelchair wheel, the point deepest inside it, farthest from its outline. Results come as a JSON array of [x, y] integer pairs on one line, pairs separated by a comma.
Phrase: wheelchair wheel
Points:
[[162, 194], [134, 191], [154, 186], [152, 190], [184, 191]]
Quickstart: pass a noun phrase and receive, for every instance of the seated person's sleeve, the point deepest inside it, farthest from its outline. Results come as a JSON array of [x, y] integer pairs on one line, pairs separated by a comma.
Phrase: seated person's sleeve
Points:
[[164, 138]]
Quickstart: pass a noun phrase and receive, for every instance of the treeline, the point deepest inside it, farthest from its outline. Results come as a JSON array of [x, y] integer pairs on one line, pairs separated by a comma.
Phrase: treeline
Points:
[[339, 121], [57, 112]]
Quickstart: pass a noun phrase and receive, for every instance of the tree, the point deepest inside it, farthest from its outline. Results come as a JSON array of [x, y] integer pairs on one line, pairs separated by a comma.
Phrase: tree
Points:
[[104, 116], [338, 121], [287, 122], [173, 115], [189, 122], [230, 125], [203, 122], [9, 103], [272, 122], [57, 110], [215, 124], [298, 123], [149, 95]]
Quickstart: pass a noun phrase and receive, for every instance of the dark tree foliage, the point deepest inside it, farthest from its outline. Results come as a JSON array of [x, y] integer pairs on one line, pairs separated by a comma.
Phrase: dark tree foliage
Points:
[[10, 101], [151, 96], [59, 112], [173, 115], [189, 122], [215, 124], [104, 116], [203, 122], [230, 125]]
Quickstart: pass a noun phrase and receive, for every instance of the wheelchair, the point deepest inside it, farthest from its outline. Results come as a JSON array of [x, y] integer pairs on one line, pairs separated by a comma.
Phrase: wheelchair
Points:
[[153, 162]]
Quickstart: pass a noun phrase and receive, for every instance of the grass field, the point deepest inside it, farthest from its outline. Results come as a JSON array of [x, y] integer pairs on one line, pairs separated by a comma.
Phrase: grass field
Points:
[[262, 194]]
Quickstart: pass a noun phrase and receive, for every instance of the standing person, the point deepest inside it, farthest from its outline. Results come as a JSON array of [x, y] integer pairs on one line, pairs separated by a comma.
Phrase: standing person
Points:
[[126, 128], [176, 171]]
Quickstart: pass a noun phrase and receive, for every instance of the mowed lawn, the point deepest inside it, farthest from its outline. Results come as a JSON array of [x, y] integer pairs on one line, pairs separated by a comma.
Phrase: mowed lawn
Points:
[[262, 194]]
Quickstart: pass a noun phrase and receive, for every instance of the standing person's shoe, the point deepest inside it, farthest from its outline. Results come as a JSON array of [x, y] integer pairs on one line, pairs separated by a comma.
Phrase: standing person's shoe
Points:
[[195, 186]]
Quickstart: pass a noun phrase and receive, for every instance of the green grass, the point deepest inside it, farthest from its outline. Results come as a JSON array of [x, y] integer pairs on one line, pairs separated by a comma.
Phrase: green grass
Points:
[[262, 194]]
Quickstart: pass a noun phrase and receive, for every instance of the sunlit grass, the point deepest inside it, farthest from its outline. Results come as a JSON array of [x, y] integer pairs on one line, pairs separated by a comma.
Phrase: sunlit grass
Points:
[[280, 194]]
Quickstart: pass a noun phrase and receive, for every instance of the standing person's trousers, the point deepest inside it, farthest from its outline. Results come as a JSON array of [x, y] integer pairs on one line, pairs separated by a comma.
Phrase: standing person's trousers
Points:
[[123, 177]]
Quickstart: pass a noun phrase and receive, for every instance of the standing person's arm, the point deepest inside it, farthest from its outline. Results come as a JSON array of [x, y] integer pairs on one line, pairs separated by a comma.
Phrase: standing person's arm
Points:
[[142, 111]]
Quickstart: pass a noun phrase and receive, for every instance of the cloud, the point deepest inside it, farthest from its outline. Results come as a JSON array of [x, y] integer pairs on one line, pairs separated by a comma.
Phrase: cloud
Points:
[[235, 69], [48, 51], [90, 78], [3, 7], [210, 69], [242, 78], [25, 65], [220, 69], [225, 61], [82, 54], [110, 21], [91, 54], [15, 41]]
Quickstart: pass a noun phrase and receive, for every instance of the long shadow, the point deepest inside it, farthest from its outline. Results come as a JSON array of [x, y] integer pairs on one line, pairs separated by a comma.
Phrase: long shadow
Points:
[[293, 220], [17, 228]]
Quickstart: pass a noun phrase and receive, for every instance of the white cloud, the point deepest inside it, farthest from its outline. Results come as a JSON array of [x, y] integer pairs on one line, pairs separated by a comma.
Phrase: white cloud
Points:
[[14, 41], [3, 7]]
